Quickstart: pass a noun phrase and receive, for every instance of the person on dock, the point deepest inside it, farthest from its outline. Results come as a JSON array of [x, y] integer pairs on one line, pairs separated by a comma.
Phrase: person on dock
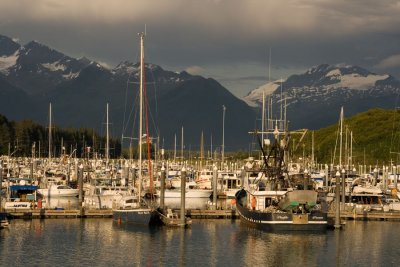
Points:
[[253, 202]]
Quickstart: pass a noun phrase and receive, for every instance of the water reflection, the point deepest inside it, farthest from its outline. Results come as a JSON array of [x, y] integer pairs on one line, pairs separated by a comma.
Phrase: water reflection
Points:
[[102, 242]]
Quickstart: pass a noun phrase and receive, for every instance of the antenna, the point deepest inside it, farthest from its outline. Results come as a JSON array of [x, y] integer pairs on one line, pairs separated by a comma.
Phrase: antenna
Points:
[[145, 32]]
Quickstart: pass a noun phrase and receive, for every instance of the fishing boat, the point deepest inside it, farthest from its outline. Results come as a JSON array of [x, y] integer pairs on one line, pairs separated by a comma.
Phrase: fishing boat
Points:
[[138, 209], [275, 201]]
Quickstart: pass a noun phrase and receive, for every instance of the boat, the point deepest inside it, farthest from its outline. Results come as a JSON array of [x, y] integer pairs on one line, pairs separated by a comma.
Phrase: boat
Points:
[[136, 208], [204, 179], [189, 193], [229, 182], [22, 195], [173, 219], [55, 190], [276, 201], [3, 220]]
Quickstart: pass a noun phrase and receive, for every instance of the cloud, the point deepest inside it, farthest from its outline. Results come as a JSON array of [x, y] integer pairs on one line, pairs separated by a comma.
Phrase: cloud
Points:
[[195, 70], [245, 18], [389, 62], [229, 39]]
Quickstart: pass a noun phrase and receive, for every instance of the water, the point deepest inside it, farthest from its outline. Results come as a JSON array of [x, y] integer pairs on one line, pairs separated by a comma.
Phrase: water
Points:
[[102, 242]]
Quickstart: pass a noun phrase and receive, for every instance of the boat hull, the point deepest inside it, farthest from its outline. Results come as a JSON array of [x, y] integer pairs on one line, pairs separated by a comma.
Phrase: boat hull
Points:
[[58, 193], [143, 216], [190, 193], [3, 220], [280, 221]]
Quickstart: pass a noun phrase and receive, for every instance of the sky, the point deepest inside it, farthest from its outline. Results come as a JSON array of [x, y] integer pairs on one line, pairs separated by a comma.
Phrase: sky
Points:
[[240, 43]]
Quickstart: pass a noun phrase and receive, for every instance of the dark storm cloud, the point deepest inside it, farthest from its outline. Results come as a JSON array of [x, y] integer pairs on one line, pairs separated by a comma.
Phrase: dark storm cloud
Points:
[[225, 39]]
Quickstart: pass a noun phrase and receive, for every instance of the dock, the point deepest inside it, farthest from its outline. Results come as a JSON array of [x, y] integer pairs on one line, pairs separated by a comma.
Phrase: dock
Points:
[[192, 213], [107, 213], [368, 216], [47, 214]]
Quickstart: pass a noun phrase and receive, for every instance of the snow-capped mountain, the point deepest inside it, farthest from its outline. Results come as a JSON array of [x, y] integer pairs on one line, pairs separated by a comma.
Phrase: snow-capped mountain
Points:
[[34, 74], [35, 67], [308, 95]]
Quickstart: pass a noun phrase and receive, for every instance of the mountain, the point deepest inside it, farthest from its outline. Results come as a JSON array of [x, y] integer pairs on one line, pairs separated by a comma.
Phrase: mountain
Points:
[[376, 139], [313, 99], [36, 68], [33, 75]]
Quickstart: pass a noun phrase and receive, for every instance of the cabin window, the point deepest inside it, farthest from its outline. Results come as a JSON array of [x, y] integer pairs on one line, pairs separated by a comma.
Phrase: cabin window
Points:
[[268, 202]]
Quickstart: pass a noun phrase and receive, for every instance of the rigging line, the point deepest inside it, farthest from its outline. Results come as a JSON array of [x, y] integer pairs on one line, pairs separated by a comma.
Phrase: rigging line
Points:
[[155, 94], [125, 105], [132, 111], [393, 128], [147, 134], [126, 124], [337, 138], [262, 151]]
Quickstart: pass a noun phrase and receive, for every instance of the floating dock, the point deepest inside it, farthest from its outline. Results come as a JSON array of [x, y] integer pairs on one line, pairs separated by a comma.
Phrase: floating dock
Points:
[[107, 213], [192, 213]]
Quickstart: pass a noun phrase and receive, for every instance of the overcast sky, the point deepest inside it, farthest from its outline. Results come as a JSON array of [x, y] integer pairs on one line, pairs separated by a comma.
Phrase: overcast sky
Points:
[[228, 40]]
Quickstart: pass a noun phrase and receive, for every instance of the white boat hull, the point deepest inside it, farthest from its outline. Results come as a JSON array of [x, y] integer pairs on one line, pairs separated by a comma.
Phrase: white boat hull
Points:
[[190, 193]]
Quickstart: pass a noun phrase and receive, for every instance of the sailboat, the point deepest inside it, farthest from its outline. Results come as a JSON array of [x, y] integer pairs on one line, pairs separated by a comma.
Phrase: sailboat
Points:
[[135, 208]]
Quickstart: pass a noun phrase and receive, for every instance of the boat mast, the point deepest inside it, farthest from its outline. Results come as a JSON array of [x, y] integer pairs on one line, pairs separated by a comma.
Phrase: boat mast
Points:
[[263, 118], [50, 132], [107, 142], [141, 35]]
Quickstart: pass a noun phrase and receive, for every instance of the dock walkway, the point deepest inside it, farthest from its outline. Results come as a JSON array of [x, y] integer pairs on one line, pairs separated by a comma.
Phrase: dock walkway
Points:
[[192, 213]]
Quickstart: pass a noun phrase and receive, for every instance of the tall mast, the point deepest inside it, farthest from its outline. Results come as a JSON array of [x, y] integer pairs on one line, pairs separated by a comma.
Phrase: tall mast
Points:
[[341, 138], [107, 141], [223, 136], [201, 150], [50, 141], [182, 144], [263, 118], [175, 149], [141, 108]]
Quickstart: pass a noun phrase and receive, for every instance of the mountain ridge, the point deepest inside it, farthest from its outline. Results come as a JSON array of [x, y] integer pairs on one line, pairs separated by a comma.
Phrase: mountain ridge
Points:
[[79, 90]]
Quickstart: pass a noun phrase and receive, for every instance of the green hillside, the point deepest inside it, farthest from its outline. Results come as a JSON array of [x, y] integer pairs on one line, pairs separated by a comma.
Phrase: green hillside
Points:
[[376, 139]]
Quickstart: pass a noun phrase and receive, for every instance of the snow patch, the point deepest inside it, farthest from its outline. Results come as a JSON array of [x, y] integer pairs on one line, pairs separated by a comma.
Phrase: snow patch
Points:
[[335, 72], [356, 81], [8, 61], [71, 75], [55, 66], [256, 95]]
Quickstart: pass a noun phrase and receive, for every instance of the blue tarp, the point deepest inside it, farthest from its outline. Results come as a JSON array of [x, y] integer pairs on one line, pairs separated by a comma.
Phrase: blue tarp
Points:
[[23, 187]]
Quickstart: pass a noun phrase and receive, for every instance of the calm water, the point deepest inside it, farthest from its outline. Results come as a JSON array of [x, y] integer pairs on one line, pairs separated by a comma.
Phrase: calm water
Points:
[[102, 242]]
